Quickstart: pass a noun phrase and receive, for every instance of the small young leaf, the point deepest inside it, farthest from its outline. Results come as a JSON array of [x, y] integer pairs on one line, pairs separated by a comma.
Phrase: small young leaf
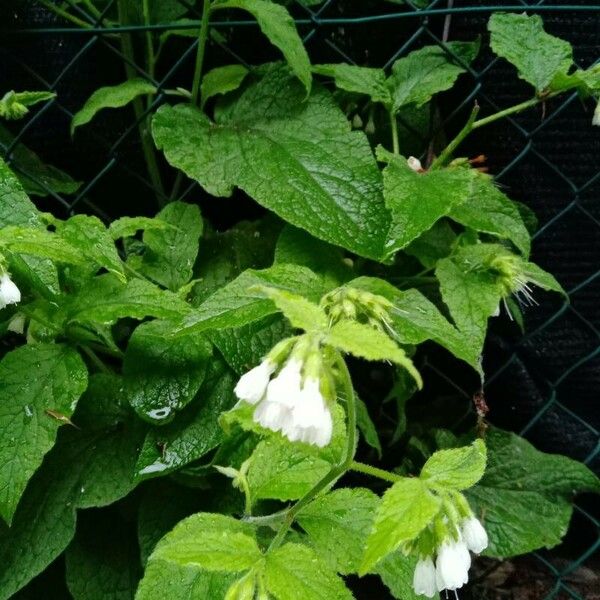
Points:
[[490, 211], [295, 571], [524, 498], [129, 226], [406, 509], [171, 252], [425, 72], [212, 542], [359, 80], [163, 372], [457, 468], [222, 80], [14, 105], [365, 342], [300, 312], [114, 96], [538, 56], [338, 525], [277, 24]]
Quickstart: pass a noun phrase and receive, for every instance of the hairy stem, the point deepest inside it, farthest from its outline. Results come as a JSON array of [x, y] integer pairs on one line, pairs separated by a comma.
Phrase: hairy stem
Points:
[[446, 155], [337, 471], [394, 128], [202, 39], [138, 108], [374, 472]]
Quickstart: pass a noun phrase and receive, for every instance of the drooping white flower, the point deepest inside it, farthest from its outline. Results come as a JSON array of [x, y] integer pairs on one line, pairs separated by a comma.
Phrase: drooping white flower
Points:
[[424, 581], [9, 292], [452, 565], [252, 385], [474, 535], [275, 410], [311, 420]]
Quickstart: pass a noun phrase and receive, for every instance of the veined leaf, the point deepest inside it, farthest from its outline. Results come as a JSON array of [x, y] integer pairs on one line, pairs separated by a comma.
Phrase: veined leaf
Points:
[[114, 96], [524, 498], [538, 56], [406, 509], [360, 80], [277, 24], [35, 379], [129, 226], [300, 312], [222, 80], [295, 156]]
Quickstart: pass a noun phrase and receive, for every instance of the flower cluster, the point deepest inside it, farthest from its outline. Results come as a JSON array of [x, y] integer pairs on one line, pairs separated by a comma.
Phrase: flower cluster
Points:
[[9, 292], [353, 303], [450, 570], [286, 390]]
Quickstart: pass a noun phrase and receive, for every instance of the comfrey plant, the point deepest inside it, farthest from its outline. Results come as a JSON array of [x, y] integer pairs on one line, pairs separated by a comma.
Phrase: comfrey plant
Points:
[[241, 409]]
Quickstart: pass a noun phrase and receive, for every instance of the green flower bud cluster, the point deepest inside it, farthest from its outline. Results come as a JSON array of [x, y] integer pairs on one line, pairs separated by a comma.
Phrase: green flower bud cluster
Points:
[[359, 305]]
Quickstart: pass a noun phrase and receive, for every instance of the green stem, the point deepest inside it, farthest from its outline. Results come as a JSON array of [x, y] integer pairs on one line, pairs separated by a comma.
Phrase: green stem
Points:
[[150, 58], [95, 359], [374, 472], [247, 496], [138, 108], [511, 111], [337, 471], [64, 14], [202, 39], [448, 151], [394, 128]]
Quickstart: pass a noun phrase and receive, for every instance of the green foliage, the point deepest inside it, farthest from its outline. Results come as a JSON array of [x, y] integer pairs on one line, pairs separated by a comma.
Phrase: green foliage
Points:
[[525, 495], [132, 353], [114, 96]]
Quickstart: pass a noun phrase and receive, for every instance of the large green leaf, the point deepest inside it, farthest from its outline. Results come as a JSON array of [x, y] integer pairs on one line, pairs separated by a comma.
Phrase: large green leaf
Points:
[[171, 252], [212, 542], [294, 572], [406, 509], [163, 372], [103, 559], [241, 301], [524, 498], [277, 24], [296, 157], [114, 96], [418, 200], [35, 379], [90, 466], [425, 72], [521, 40], [338, 525], [106, 299], [89, 235], [194, 432]]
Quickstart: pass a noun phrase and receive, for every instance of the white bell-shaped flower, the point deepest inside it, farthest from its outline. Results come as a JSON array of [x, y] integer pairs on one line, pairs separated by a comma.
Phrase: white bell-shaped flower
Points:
[[252, 385], [452, 565], [275, 411], [311, 420], [424, 581], [474, 535], [415, 164], [9, 292]]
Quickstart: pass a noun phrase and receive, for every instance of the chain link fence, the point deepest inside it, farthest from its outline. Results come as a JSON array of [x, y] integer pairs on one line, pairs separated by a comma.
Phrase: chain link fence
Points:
[[542, 383]]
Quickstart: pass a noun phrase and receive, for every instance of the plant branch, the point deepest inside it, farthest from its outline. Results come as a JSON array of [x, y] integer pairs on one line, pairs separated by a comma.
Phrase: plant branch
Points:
[[394, 128], [61, 12], [202, 39], [448, 151], [94, 358], [138, 108], [374, 472], [337, 471]]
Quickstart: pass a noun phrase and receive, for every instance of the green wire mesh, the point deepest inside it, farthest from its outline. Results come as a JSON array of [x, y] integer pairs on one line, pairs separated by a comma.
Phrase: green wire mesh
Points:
[[534, 153]]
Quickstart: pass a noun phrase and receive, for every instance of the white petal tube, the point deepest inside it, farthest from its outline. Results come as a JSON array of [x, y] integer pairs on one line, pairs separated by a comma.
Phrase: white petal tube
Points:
[[424, 582], [9, 292], [474, 535], [452, 570], [251, 386]]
